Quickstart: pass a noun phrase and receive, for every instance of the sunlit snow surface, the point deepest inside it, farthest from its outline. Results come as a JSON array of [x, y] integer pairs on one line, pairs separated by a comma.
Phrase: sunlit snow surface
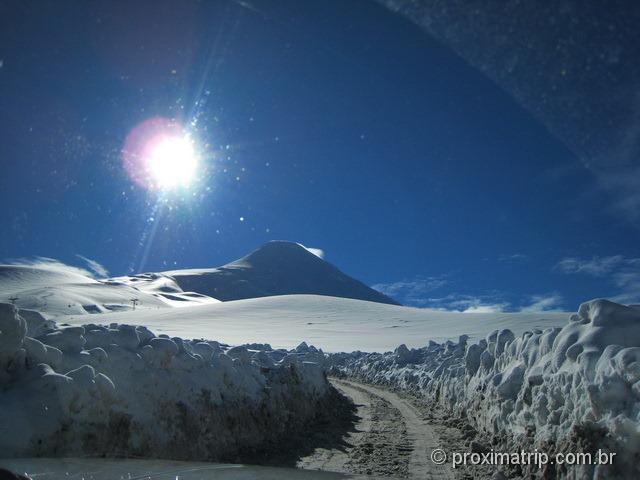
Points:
[[110, 469], [333, 324], [58, 290]]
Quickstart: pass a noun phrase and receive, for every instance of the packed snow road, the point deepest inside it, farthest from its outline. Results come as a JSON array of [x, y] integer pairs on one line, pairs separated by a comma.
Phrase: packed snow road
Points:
[[390, 438]]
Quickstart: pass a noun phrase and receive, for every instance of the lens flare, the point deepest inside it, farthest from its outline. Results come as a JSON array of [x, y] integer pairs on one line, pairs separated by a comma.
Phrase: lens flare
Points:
[[159, 155], [172, 162]]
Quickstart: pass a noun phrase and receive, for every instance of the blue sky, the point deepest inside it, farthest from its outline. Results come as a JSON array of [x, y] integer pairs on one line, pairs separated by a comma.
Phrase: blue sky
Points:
[[338, 125]]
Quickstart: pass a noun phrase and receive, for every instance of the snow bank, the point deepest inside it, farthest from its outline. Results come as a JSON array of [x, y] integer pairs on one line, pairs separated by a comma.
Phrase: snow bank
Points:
[[121, 390], [570, 389]]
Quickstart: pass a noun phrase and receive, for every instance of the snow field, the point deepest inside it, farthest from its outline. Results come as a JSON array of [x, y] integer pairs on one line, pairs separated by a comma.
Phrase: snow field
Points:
[[335, 324]]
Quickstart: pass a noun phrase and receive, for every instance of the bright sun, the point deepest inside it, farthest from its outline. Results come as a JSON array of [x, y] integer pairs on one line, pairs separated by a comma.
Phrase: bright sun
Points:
[[172, 162]]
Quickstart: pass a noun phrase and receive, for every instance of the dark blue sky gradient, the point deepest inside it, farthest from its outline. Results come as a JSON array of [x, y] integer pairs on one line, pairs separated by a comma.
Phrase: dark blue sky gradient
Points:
[[349, 129]]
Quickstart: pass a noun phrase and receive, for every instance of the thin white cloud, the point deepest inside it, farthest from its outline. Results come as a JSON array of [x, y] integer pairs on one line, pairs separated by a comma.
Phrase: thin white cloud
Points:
[[94, 266], [412, 292], [542, 303], [497, 303], [489, 303], [420, 293], [316, 251], [513, 258], [470, 303], [50, 264], [596, 266], [622, 273], [484, 309]]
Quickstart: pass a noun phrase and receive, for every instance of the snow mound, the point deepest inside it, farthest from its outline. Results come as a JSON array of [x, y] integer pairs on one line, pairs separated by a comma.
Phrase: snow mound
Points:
[[560, 390], [164, 288], [121, 390], [276, 268]]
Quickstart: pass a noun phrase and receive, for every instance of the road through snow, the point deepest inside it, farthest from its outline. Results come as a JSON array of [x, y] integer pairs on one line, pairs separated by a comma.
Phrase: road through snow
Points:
[[391, 438]]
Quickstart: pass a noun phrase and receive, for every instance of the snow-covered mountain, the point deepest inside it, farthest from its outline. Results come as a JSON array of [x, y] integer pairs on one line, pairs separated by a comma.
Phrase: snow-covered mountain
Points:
[[276, 268], [55, 289]]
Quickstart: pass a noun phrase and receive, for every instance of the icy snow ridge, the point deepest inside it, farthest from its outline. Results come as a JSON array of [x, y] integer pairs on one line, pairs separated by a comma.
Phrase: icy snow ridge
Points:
[[570, 389], [121, 390]]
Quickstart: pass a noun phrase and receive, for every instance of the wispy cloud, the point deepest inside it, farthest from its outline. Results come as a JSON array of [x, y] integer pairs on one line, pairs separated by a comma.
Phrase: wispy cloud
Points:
[[50, 264], [95, 269], [541, 303], [513, 258], [94, 266], [498, 302], [484, 309], [623, 273], [470, 303], [596, 266], [423, 292], [316, 251], [412, 292]]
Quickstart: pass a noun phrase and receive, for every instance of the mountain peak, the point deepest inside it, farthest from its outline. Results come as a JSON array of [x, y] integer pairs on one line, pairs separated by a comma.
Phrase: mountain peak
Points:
[[278, 251], [276, 268]]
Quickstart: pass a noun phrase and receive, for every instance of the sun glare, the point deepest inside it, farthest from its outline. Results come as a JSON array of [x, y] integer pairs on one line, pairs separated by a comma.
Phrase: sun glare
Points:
[[160, 154], [172, 162]]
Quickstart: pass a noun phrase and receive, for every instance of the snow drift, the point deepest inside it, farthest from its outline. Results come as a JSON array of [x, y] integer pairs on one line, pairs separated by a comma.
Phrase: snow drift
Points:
[[121, 390], [570, 389], [56, 289], [276, 268]]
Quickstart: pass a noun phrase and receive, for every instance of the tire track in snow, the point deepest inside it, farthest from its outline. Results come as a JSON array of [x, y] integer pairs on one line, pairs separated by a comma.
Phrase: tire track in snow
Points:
[[391, 438]]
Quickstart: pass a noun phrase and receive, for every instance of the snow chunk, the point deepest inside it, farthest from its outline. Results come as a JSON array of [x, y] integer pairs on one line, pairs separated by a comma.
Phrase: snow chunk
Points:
[[66, 339]]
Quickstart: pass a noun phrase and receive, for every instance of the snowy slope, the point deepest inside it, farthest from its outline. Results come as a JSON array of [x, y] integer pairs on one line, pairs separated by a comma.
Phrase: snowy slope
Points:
[[15, 278], [55, 290], [333, 324], [276, 268], [164, 288]]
